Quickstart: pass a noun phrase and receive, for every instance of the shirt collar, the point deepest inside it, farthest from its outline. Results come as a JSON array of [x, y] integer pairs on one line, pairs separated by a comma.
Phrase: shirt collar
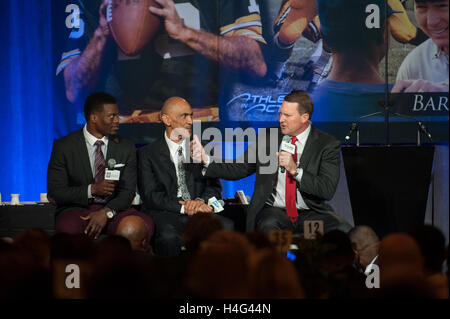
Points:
[[303, 136], [91, 139], [173, 146], [439, 52], [369, 266]]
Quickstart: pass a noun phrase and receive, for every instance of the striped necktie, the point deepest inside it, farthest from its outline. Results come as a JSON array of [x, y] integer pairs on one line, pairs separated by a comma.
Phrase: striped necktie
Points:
[[99, 168]]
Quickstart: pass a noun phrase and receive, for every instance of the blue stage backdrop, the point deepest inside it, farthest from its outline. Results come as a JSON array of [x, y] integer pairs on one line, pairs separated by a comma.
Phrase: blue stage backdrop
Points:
[[26, 90]]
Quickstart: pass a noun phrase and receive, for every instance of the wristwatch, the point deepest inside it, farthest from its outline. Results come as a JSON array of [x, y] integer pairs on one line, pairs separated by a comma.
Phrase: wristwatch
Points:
[[296, 172], [110, 213]]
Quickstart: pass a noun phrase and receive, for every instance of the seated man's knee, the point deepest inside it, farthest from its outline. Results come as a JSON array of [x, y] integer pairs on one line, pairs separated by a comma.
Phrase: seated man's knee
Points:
[[167, 241], [69, 223], [227, 223], [336, 222], [167, 233], [267, 223]]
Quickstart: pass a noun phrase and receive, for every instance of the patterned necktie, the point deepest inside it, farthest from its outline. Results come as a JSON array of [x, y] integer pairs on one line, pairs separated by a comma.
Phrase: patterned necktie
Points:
[[99, 168], [182, 176], [291, 190], [99, 163]]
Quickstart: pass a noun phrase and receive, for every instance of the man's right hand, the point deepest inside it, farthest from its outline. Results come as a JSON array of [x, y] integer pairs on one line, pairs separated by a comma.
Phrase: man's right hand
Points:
[[174, 25], [197, 151], [103, 188]]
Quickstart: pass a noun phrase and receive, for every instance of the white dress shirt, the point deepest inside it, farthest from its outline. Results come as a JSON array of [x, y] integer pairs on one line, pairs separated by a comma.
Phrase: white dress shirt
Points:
[[91, 147], [369, 267], [278, 197]]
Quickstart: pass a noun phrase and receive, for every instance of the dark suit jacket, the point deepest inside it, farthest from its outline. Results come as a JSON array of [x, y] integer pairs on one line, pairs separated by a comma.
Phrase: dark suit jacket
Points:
[[69, 173], [157, 180], [320, 161]]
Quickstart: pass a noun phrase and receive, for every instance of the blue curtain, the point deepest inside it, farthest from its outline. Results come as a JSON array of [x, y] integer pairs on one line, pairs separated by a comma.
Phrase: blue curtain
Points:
[[26, 90]]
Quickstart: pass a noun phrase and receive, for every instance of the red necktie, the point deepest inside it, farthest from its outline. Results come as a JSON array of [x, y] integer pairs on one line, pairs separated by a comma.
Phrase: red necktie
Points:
[[291, 190]]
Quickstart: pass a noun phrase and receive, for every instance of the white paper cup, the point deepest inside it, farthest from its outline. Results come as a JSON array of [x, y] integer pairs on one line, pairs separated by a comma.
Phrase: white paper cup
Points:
[[44, 198], [15, 199]]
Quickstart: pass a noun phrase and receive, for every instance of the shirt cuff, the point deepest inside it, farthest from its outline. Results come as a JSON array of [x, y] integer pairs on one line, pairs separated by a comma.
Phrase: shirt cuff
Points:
[[182, 209], [89, 191], [298, 177]]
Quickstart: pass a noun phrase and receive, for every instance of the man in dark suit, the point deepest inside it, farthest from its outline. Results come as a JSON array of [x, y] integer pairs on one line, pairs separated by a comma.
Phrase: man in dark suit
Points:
[[86, 201], [286, 197], [171, 188]]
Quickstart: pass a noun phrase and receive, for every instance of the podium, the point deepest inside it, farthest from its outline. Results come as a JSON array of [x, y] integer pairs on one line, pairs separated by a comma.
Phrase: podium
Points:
[[388, 185]]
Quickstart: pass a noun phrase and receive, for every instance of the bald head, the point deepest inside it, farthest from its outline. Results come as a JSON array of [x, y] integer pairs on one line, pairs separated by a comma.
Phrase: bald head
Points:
[[400, 251], [172, 104], [363, 236], [177, 116], [134, 229], [365, 243]]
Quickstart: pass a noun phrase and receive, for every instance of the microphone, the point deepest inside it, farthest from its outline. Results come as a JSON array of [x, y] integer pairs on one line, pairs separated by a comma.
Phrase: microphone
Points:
[[216, 204], [352, 128], [424, 130], [243, 199], [110, 173], [111, 163], [287, 147]]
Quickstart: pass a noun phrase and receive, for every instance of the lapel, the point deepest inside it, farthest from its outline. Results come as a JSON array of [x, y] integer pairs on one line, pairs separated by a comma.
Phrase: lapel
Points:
[[280, 139], [189, 169], [166, 162], [84, 157], [309, 148], [113, 148]]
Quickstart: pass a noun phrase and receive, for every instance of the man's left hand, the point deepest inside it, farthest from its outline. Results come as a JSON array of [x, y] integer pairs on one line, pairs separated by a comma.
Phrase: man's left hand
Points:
[[97, 220], [173, 23], [285, 160]]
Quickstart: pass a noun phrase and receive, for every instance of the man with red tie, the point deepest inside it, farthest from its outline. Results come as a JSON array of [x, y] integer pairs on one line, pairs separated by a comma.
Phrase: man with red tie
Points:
[[86, 200], [307, 176]]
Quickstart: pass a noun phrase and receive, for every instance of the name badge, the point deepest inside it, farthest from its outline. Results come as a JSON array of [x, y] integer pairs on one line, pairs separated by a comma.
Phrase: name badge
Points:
[[112, 175], [288, 147]]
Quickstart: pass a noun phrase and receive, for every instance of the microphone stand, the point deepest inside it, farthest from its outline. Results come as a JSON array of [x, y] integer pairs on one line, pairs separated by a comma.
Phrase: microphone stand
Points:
[[386, 81], [420, 127]]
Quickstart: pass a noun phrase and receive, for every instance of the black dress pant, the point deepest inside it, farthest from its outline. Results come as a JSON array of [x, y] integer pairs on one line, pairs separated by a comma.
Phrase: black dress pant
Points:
[[169, 227], [276, 218]]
